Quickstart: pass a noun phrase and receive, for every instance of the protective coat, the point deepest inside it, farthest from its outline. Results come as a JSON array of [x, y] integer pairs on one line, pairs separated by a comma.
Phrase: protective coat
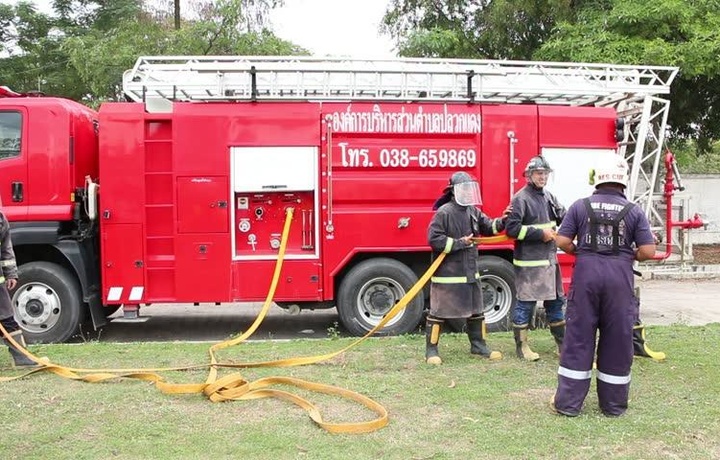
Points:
[[455, 287], [537, 273]]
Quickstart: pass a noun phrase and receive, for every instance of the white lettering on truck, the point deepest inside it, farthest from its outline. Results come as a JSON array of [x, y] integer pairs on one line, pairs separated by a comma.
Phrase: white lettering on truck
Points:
[[404, 121], [363, 157]]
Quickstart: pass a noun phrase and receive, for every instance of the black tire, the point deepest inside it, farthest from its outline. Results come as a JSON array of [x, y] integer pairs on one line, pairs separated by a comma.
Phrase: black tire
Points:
[[370, 290], [48, 302], [497, 280]]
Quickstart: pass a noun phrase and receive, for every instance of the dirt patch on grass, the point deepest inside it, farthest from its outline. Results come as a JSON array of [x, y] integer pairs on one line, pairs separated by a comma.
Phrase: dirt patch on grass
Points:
[[706, 254]]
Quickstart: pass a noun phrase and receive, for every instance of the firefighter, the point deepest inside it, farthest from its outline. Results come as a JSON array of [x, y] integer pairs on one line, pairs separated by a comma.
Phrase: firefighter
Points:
[[8, 281], [535, 215], [611, 234], [455, 289]]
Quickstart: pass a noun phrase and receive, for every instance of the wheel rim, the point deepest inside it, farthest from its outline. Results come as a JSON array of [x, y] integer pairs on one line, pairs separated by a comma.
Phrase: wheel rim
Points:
[[497, 298], [37, 307], [376, 298]]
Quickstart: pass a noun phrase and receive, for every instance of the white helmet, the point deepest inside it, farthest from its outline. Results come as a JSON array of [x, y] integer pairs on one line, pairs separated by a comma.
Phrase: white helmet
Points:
[[609, 168]]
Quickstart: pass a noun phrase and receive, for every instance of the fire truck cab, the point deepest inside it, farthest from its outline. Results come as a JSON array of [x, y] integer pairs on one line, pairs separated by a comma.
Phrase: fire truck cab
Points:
[[180, 194]]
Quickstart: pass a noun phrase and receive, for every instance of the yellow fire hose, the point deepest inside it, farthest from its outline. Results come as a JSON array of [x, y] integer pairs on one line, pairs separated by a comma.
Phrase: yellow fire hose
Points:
[[234, 386]]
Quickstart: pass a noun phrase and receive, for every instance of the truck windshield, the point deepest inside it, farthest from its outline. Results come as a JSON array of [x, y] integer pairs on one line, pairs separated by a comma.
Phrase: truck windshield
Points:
[[10, 130]]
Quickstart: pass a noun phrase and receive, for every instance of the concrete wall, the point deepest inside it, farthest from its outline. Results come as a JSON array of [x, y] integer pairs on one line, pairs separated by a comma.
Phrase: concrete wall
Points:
[[702, 195]]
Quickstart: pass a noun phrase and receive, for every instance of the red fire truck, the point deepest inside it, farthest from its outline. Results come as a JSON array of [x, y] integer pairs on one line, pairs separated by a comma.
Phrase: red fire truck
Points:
[[178, 194]]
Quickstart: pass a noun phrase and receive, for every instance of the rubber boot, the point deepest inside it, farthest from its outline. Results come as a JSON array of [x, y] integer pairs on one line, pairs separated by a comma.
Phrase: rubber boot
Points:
[[476, 334], [560, 412], [20, 359], [640, 347], [522, 349], [558, 332], [433, 328]]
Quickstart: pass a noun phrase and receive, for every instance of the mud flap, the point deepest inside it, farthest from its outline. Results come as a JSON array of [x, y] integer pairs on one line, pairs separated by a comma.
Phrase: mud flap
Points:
[[97, 314]]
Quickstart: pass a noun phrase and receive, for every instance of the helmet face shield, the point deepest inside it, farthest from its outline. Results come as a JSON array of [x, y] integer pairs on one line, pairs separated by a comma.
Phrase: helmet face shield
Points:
[[467, 194]]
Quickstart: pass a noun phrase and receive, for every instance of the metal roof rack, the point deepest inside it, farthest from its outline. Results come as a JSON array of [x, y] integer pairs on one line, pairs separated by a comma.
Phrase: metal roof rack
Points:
[[215, 78]]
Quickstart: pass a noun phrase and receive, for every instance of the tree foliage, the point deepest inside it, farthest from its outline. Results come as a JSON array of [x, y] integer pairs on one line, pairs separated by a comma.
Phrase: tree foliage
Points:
[[683, 33], [81, 50], [490, 29]]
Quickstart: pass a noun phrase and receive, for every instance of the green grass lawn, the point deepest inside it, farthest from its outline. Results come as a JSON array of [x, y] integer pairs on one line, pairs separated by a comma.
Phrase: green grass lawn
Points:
[[465, 409]]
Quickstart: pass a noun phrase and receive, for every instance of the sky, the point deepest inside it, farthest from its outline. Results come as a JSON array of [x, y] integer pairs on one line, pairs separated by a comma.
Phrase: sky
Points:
[[342, 28], [346, 28]]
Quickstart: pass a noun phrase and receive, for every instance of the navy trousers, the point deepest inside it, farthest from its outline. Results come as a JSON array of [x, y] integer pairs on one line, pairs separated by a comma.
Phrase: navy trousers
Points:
[[601, 299]]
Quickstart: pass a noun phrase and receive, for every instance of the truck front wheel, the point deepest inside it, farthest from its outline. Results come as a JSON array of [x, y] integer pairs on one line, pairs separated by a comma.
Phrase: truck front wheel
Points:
[[47, 301], [370, 290], [497, 281]]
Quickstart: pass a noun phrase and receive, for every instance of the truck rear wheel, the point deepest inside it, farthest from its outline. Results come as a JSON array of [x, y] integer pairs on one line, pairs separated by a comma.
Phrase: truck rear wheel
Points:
[[497, 281], [47, 301], [370, 290]]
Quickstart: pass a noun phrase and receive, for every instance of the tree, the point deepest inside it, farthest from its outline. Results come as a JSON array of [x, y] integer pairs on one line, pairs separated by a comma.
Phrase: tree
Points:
[[221, 28], [683, 33], [82, 49], [484, 29], [30, 52]]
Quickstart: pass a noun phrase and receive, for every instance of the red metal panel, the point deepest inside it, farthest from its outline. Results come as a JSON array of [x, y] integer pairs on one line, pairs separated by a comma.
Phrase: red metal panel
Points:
[[299, 280], [85, 140], [204, 133], [122, 163], [202, 204], [203, 268], [578, 127], [123, 265], [52, 156], [498, 122]]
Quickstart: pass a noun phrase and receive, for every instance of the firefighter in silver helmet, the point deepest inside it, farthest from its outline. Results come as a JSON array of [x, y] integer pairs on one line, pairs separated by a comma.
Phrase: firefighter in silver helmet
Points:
[[455, 287], [8, 281], [535, 215]]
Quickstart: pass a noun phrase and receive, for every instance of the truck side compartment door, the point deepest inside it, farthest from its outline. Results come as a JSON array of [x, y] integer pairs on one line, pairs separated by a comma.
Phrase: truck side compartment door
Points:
[[202, 204], [203, 239], [124, 268]]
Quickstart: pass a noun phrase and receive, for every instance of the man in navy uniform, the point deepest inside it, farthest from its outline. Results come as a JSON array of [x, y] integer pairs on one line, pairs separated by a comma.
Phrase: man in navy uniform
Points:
[[611, 234], [455, 288]]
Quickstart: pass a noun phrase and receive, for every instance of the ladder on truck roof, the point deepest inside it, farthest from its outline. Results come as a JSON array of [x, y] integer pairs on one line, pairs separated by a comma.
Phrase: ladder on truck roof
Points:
[[634, 90], [207, 78]]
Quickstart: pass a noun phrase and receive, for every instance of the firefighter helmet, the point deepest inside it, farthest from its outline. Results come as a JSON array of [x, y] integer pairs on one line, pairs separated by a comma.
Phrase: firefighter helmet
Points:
[[459, 178], [537, 163], [610, 168], [465, 189]]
